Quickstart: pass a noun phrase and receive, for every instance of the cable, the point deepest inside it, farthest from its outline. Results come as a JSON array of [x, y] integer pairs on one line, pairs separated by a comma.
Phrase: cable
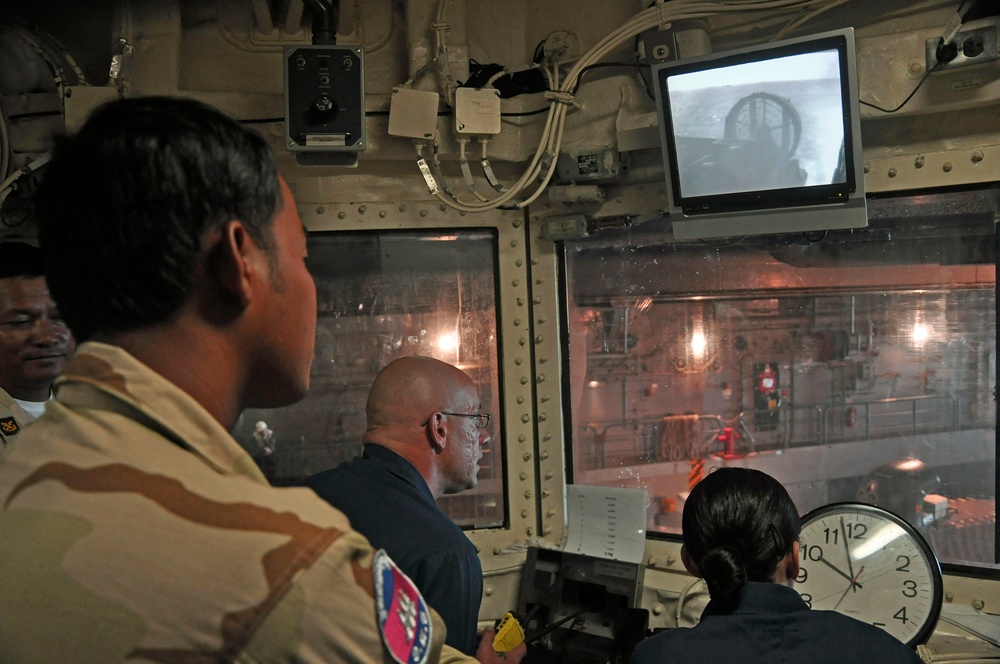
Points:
[[960, 19], [808, 17], [556, 625], [537, 111], [561, 88], [908, 97], [635, 65], [488, 168], [646, 83], [463, 162], [7, 186], [532, 172]]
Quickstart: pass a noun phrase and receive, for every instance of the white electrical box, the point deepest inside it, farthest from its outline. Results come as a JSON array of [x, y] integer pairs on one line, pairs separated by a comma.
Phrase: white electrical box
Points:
[[477, 112], [413, 113]]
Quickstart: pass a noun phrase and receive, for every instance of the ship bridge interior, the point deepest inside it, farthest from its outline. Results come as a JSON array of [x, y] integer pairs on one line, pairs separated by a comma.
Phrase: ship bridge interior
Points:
[[500, 199]]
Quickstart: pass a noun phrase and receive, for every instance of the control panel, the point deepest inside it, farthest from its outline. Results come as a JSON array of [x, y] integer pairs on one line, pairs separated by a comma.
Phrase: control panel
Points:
[[582, 609], [324, 104]]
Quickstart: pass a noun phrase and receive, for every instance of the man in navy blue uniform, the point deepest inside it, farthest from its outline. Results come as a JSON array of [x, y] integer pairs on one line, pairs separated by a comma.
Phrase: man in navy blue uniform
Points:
[[425, 435]]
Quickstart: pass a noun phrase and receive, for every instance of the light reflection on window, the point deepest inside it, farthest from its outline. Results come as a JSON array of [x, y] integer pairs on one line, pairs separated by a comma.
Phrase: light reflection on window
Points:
[[381, 297], [854, 366]]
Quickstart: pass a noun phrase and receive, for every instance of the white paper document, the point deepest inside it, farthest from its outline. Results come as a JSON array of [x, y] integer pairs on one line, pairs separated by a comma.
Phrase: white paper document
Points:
[[606, 522]]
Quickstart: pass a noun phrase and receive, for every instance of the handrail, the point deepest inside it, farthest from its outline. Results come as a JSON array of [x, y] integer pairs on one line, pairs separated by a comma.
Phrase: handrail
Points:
[[912, 401], [815, 428]]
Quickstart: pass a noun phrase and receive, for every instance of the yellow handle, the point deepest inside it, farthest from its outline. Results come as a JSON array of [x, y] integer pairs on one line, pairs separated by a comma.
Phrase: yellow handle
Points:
[[509, 634]]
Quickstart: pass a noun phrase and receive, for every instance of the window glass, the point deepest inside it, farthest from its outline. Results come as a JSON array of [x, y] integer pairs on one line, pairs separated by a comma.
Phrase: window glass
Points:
[[853, 365], [381, 297]]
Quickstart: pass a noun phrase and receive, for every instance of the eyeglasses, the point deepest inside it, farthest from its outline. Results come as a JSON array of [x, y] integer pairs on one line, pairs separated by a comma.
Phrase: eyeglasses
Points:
[[482, 420]]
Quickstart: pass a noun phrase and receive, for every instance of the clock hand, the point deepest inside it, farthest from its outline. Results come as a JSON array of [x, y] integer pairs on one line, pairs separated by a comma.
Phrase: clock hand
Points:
[[847, 549], [853, 585], [854, 581], [842, 596], [836, 569], [880, 571]]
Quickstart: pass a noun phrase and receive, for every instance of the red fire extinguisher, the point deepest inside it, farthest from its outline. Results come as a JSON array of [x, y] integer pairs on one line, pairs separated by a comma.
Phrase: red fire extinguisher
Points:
[[767, 380]]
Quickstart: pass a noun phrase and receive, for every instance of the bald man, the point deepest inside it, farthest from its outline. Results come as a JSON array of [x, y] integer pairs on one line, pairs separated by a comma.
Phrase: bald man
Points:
[[425, 435]]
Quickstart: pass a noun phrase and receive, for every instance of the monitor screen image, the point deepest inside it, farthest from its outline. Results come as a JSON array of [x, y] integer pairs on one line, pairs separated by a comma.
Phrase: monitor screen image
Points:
[[764, 139]]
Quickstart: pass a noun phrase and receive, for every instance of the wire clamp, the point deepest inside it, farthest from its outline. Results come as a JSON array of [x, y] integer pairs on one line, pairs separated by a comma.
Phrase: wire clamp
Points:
[[545, 164], [491, 176], [663, 22], [561, 98], [428, 178]]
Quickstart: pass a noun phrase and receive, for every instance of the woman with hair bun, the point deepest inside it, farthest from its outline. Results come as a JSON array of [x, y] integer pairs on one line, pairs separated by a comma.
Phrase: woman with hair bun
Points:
[[741, 532]]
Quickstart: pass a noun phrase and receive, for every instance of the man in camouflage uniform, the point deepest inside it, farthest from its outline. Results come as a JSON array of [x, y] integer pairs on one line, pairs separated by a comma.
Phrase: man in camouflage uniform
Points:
[[35, 343], [132, 525]]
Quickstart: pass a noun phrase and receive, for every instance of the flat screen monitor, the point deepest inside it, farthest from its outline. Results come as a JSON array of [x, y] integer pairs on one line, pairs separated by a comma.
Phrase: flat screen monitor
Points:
[[763, 139]]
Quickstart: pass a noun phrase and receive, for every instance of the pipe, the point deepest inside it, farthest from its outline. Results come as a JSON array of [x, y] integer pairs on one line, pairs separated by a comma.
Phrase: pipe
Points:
[[293, 19], [262, 14], [325, 20]]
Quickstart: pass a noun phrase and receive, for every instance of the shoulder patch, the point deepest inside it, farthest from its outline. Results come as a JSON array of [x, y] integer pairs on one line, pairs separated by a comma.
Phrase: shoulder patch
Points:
[[403, 617], [8, 426]]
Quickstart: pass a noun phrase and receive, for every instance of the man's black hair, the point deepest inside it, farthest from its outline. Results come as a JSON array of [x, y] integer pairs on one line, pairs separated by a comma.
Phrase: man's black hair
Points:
[[127, 201], [20, 259]]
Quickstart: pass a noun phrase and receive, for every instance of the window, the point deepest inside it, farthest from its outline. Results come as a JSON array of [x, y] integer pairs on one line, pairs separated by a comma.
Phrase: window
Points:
[[381, 297], [850, 365]]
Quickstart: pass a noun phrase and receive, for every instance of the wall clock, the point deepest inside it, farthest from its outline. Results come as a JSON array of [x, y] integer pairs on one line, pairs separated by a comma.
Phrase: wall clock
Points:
[[867, 563]]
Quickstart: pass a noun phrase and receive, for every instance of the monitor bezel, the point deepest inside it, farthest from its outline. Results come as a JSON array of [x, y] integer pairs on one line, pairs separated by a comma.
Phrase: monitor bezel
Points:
[[783, 210]]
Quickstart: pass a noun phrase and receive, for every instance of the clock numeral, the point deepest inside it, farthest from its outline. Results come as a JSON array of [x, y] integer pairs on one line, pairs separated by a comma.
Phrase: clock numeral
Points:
[[803, 575], [856, 530], [909, 588], [851, 531], [808, 599], [901, 615], [813, 552], [904, 563]]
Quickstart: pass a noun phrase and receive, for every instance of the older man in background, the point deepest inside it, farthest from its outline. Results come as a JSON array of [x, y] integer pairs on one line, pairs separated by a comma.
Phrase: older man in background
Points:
[[35, 342]]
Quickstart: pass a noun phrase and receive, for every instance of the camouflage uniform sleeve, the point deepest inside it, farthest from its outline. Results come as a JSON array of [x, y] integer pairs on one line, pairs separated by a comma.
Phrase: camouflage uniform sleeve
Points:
[[451, 656], [330, 615]]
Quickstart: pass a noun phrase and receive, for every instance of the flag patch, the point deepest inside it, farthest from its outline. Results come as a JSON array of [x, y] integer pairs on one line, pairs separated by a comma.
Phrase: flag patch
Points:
[[403, 617]]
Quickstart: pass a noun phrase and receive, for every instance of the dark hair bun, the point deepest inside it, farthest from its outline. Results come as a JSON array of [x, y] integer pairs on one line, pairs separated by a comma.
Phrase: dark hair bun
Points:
[[725, 572]]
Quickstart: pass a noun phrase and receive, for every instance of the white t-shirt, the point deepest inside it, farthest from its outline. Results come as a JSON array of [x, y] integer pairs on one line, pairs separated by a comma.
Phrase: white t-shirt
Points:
[[34, 408]]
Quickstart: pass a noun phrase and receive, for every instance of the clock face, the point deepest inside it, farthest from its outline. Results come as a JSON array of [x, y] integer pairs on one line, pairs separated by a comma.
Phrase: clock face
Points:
[[869, 564]]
